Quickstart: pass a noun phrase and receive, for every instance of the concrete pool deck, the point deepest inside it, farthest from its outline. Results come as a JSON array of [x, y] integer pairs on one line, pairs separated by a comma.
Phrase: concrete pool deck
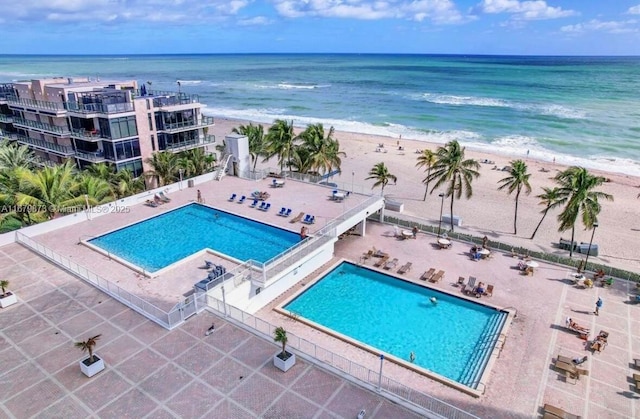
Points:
[[39, 367]]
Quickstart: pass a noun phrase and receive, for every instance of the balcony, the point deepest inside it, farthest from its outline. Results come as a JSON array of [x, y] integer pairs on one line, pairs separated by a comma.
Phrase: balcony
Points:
[[95, 157], [83, 134], [32, 104], [206, 121], [188, 145], [63, 150], [85, 109], [41, 126], [6, 118]]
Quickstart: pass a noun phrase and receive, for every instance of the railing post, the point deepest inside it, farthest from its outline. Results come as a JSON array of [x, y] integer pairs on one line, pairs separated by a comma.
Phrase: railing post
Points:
[[380, 374]]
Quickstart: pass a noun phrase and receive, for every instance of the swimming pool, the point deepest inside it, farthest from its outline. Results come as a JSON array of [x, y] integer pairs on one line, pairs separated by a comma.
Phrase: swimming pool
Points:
[[158, 242], [453, 338]]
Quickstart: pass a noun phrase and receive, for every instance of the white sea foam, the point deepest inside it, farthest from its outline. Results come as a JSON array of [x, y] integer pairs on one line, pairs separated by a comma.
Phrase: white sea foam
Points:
[[189, 82], [465, 100], [292, 86]]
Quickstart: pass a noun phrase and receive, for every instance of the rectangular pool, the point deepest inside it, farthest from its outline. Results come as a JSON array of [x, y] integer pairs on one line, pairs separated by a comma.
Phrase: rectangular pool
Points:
[[451, 337], [160, 241]]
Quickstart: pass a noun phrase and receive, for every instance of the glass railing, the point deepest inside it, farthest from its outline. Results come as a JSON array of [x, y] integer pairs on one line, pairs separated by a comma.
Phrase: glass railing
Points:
[[95, 156], [6, 118], [36, 104], [184, 145], [165, 98], [206, 121], [105, 108], [86, 134], [41, 126], [49, 146]]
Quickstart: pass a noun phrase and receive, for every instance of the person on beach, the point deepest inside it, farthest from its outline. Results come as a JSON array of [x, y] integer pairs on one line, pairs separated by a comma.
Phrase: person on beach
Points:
[[303, 232], [199, 196], [598, 306], [414, 231]]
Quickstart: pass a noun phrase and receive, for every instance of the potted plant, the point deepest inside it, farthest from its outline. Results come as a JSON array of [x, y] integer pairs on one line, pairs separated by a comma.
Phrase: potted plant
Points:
[[93, 364], [7, 297], [283, 360]]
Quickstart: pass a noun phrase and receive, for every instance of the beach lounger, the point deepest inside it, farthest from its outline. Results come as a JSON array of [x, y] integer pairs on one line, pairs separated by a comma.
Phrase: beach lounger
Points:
[[471, 285], [288, 213], [460, 282], [381, 261], [297, 218], [262, 205], [241, 200], [489, 290], [428, 275], [164, 197], [309, 219], [379, 253], [437, 277], [405, 268], [232, 197], [552, 412], [391, 264], [150, 203], [283, 211], [254, 203], [265, 207]]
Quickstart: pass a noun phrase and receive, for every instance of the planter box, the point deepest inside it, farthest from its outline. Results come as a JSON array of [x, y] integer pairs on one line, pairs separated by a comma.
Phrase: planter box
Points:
[[8, 299], [284, 364], [91, 369]]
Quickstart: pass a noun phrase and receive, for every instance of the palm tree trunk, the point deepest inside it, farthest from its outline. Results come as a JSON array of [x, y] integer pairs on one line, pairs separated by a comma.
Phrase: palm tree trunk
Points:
[[573, 230], [451, 215], [540, 223], [424, 198], [515, 216]]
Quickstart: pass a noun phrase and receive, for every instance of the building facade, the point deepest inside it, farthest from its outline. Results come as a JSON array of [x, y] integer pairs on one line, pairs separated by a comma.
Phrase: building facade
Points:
[[92, 121]]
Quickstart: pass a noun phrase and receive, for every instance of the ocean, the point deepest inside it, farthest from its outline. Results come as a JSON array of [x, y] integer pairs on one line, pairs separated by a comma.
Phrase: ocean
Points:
[[576, 110]]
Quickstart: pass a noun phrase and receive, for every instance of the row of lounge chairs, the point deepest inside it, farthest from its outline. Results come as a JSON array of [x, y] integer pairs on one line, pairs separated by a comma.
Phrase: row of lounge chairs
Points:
[[567, 366], [158, 199]]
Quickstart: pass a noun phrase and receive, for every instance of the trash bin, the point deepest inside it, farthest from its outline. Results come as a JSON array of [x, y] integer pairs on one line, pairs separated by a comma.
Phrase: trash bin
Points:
[[584, 249], [190, 183]]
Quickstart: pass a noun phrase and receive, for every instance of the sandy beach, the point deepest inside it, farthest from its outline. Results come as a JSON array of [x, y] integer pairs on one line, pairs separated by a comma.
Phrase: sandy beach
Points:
[[489, 212]]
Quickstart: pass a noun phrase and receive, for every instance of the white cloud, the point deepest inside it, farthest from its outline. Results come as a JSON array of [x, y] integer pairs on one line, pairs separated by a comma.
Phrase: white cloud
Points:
[[523, 10], [255, 21], [635, 10], [438, 11], [613, 27]]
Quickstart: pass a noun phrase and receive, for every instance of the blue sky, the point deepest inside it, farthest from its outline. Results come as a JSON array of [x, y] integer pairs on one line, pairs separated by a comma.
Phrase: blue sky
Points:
[[536, 27]]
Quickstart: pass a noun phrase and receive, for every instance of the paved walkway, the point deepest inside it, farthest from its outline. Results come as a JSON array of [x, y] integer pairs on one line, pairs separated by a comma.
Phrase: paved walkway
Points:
[[151, 372]]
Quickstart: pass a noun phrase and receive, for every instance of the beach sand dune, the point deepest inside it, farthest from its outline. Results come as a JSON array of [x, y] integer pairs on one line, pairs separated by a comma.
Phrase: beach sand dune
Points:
[[490, 211]]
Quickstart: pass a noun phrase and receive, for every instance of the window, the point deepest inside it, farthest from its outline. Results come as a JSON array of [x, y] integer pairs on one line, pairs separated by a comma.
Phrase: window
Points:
[[127, 149], [153, 143], [123, 127], [134, 166], [150, 122]]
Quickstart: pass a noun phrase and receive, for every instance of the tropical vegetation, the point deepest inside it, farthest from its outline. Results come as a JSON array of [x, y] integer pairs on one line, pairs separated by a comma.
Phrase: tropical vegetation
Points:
[[426, 159], [517, 180], [280, 336], [4, 284], [88, 346], [550, 200], [380, 173], [452, 169], [576, 192]]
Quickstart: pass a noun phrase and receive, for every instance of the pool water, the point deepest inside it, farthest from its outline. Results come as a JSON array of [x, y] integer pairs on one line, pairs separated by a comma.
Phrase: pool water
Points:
[[453, 337], [158, 242]]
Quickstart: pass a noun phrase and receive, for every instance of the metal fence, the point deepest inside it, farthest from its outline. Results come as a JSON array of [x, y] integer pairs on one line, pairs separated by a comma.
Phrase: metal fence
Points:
[[387, 387]]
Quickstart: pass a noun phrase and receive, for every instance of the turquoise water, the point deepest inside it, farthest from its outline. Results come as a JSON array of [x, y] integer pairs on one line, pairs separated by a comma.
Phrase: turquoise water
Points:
[[165, 239], [579, 110], [452, 338]]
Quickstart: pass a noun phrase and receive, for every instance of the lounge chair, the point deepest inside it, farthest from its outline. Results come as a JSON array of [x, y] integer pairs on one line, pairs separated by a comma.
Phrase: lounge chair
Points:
[[265, 207], [427, 275], [489, 291], [552, 412], [309, 219], [471, 285], [569, 370], [232, 197], [241, 200], [283, 211], [381, 261], [157, 200], [405, 268], [575, 327], [164, 197], [262, 205], [297, 218], [209, 264], [391, 264], [361, 414], [288, 213], [437, 277], [606, 282], [460, 282], [150, 203], [636, 363], [379, 253], [254, 203]]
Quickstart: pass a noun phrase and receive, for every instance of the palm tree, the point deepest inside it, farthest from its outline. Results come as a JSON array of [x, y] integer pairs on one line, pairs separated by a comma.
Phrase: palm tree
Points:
[[451, 167], [576, 191], [4, 284], [88, 345], [427, 159], [322, 152], [124, 184], [257, 141], [518, 178], [195, 162], [98, 191], [13, 156], [280, 141], [382, 176], [164, 167], [51, 189], [550, 200], [102, 171], [280, 336]]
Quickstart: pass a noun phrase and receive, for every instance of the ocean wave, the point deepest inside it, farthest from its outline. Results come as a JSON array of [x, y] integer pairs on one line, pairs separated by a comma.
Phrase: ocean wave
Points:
[[189, 82], [292, 86], [554, 110]]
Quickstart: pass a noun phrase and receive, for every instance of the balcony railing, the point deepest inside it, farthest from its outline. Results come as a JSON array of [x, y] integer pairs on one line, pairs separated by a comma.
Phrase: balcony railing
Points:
[[6, 118], [95, 157], [206, 121], [86, 135], [14, 101], [28, 123], [101, 108], [45, 145], [187, 145]]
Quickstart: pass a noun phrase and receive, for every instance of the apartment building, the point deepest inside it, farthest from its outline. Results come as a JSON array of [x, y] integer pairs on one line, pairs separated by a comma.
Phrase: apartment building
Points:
[[93, 121]]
